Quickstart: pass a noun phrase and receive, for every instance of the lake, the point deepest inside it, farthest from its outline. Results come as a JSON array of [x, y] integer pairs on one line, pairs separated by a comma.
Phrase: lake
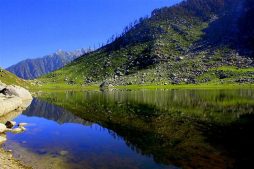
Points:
[[137, 129]]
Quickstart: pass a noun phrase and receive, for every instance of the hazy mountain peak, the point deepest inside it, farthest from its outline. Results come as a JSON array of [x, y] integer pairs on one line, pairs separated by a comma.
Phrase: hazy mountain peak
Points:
[[59, 52], [33, 68]]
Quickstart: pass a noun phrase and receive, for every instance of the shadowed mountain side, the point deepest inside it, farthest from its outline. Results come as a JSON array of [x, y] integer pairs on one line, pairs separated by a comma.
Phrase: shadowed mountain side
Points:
[[227, 29], [247, 25], [43, 109]]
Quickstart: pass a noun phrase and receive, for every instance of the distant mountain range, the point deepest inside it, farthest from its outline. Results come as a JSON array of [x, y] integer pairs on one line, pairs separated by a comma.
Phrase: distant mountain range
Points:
[[33, 68], [195, 41]]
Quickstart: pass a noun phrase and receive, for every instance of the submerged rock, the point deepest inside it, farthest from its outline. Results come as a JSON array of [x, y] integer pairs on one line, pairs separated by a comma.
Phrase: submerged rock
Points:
[[22, 124], [2, 139], [63, 153]]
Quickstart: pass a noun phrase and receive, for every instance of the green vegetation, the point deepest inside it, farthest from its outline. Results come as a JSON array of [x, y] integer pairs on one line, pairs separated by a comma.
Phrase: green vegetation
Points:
[[11, 79], [65, 87], [62, 87], [189, 46], [184, 44], [190, 86], [229, 74]]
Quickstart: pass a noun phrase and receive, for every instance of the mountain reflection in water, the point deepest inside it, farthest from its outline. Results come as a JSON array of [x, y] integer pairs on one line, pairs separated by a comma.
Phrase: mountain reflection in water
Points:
[[161, 128], [44, 109]]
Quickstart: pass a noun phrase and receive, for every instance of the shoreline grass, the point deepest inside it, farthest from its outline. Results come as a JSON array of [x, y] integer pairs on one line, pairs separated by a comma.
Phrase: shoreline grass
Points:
[[190, 86], [64, 87]]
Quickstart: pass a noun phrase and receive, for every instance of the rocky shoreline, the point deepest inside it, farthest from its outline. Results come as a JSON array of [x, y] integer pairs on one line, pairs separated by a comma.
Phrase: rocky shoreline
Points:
[[13, 100], [8, 162]]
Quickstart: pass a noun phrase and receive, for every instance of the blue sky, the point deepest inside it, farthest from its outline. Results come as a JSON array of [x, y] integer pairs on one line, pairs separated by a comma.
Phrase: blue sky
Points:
[[34, 28]]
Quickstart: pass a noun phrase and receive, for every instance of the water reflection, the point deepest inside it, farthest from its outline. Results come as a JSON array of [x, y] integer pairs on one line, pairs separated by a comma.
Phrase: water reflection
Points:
[[142, 129], [60, 115]]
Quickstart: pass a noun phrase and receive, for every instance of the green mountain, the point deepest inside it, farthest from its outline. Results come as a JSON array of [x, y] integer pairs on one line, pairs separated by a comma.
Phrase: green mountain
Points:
[[195, 41]]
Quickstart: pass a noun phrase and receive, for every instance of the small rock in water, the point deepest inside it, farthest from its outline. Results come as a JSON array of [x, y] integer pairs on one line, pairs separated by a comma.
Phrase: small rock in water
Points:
[[42, 151], [22, 124], [10, 124], [63, 153]]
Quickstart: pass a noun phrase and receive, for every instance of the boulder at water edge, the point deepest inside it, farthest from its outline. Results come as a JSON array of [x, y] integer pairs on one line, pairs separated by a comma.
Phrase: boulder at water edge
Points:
[[17, 91], [3, 128]]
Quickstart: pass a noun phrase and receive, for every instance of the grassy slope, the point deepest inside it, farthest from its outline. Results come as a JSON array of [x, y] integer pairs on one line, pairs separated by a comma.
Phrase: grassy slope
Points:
[[149, 54], [11, 79], [64, 87], [214, 83], [93, 66], [143, 40], [231, 73]]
